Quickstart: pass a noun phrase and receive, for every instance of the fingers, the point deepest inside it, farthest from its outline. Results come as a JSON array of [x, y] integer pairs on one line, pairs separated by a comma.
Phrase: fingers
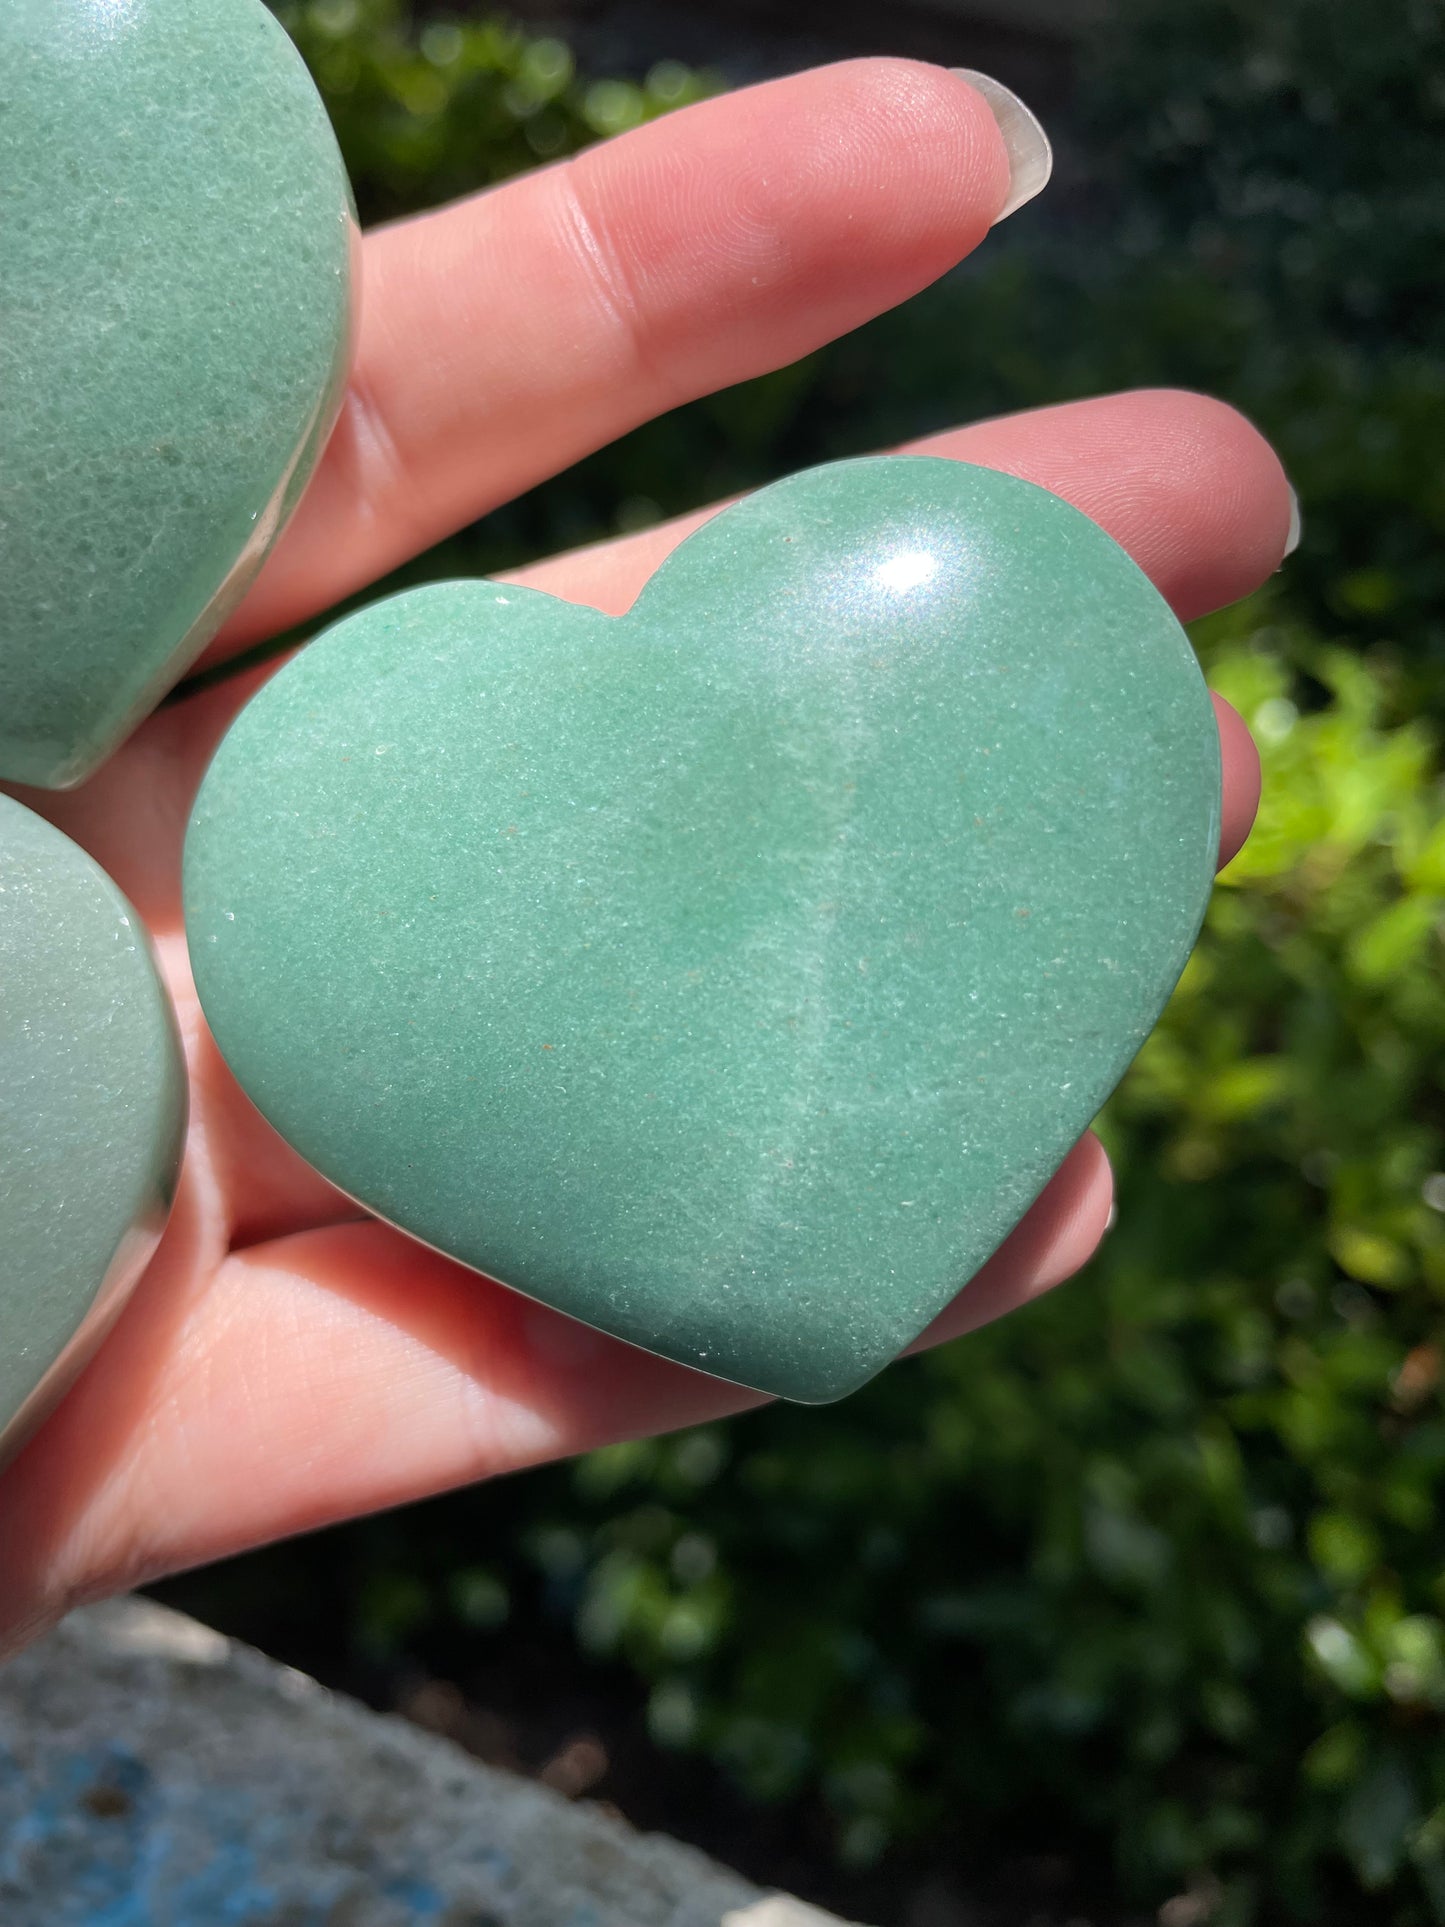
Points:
[[1185, 484], [504, 337], [312, 1378], [345, 1369]]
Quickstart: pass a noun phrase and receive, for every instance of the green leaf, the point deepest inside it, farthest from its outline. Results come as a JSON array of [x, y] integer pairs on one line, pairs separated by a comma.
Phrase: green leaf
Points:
[[1391, 942]]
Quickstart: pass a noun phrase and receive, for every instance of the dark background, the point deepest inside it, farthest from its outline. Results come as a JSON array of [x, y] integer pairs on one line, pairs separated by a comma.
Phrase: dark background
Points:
[[1132, 1608]]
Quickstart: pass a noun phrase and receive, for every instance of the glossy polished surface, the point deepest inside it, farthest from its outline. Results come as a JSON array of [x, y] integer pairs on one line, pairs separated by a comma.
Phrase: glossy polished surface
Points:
[[92, 1110], [734, 974], [176, 228]]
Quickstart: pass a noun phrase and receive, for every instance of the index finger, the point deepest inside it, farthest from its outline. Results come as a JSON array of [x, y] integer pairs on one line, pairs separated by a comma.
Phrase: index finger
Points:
[[506, 336]]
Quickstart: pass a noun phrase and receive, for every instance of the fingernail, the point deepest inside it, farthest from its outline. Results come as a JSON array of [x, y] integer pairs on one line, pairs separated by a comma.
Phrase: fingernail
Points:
[[1296, 527], [1030, 157]]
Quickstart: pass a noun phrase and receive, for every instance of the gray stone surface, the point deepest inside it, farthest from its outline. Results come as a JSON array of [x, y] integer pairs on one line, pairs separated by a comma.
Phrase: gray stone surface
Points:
[[154, 1774]]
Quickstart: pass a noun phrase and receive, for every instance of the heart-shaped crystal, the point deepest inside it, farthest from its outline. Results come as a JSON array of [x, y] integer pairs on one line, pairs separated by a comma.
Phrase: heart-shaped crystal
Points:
[[732, 974]]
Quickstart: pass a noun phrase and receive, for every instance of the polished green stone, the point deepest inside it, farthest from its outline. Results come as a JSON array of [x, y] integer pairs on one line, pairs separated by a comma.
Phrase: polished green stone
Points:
[[92, 1110], [734, 974], [175, 239]]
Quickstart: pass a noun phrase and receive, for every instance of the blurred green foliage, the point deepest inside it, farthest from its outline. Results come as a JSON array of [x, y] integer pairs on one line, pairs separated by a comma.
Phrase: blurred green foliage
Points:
[[1155, 1566], [427, 109]]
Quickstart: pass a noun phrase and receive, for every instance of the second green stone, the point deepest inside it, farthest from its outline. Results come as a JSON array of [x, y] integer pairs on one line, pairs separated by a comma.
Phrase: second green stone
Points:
[[176, 232]]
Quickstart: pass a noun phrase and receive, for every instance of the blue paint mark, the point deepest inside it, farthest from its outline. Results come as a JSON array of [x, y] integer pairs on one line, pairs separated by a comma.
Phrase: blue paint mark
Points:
[[495, 1860], [97, 1838], [424, 1901]]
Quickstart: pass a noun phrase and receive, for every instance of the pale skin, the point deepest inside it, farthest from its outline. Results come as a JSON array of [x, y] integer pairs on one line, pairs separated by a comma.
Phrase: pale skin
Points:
[[286, 1362]]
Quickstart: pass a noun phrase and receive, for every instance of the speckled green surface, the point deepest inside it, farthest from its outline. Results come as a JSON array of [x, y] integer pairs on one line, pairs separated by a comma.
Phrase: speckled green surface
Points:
[[92, 1109], [734, 974], [175, 238]]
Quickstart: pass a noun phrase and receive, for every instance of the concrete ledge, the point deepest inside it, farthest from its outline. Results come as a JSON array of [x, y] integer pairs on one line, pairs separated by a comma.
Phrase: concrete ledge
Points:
[[154, 1774]]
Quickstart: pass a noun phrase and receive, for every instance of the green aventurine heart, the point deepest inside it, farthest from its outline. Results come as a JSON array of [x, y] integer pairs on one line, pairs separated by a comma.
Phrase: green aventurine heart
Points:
[[734, 974], [92, 1110], [175, 238]]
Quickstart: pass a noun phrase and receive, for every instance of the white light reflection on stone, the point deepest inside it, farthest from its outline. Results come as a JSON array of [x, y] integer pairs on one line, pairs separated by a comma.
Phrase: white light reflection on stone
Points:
[[110, 17], [907, 570]]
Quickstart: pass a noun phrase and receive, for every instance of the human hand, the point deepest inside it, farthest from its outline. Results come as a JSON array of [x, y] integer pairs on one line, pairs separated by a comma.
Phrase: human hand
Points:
[[285, 1361]]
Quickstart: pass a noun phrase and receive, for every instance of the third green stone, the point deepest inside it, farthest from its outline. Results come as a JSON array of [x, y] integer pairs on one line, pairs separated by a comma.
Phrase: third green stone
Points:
[[92, 1111], [731, 975]]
